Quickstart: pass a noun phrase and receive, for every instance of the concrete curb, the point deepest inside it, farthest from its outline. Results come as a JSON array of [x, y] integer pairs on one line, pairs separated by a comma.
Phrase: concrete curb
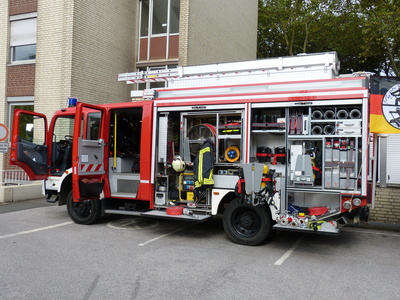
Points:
[[378, 226], [13, 193]]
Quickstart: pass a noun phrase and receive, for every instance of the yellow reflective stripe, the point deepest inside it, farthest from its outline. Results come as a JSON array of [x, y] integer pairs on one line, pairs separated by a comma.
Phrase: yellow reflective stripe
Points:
[[200, 169], [208, 181]]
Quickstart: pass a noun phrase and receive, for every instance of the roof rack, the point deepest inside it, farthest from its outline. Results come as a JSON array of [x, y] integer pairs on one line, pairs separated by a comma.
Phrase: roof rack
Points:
[[325, 63]]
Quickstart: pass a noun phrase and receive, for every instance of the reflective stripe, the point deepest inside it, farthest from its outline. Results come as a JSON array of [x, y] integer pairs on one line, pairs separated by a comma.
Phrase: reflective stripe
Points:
[[91, 167], [200, 180]]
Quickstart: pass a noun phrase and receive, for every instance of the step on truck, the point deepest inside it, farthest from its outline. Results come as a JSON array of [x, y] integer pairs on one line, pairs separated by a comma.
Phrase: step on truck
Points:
[[274, 144]]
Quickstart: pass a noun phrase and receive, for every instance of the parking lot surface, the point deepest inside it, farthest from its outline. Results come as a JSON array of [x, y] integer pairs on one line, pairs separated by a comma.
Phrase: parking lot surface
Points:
[[44, 255]]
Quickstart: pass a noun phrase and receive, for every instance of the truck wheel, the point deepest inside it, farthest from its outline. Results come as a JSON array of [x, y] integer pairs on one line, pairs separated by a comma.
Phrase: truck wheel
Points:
[[85, 212], [247, 224]]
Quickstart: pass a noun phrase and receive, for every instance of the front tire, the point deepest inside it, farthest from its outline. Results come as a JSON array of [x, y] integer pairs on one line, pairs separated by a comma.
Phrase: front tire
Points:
[[84, 212], [246, 224]]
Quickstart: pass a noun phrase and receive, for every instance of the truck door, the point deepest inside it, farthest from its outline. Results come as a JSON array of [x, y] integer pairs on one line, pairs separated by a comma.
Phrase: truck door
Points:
[[29, 143], [88, 152]]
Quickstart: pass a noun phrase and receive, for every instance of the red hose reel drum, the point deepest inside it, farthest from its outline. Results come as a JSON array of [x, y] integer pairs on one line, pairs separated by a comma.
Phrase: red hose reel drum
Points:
[[174, 210]]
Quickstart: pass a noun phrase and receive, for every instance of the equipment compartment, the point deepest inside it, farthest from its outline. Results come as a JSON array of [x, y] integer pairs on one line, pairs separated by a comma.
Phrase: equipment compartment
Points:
[[342, 120]]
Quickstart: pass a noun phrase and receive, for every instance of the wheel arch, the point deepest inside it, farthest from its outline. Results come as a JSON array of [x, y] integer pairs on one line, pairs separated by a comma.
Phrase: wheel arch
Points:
[[224, 201], [66, 187]]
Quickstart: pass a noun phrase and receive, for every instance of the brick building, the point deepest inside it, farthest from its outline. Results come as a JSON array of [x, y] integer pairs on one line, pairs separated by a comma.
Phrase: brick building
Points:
[[51, 50]]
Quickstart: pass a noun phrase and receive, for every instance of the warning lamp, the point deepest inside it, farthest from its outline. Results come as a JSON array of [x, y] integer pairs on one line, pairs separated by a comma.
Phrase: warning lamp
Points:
[[347, 205], [356, 201], [72, 102]]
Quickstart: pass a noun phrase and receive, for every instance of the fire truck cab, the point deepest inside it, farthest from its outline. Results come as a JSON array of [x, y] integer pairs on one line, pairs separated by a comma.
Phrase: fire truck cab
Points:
[[279, 143]]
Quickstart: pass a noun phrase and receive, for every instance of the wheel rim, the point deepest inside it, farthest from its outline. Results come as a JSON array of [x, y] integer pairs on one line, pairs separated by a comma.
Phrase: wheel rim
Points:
[[82, 209], [246, 222]]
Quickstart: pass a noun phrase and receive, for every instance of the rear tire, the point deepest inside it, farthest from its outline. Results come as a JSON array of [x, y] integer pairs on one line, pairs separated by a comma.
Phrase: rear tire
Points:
[[246, 224], [84, 212]]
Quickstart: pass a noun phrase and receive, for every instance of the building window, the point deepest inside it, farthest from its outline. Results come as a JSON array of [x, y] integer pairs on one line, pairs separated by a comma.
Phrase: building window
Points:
[[159, 29], [144, 18], [174, 12], [25, 103], [23, 37], [160, 17]]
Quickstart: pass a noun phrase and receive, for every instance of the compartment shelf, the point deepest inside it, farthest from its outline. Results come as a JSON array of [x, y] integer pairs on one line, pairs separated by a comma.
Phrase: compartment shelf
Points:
[[229, 136]]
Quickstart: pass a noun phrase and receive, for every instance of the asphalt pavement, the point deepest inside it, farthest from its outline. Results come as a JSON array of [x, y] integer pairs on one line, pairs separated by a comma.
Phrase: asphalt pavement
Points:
[[22, 205], [41, 202], [44, 255]]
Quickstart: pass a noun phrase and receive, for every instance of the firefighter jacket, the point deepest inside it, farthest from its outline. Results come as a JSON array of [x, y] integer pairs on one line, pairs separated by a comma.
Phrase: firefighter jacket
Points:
[[203, 165]]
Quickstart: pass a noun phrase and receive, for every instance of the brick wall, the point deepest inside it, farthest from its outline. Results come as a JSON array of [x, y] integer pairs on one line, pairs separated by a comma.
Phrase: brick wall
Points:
[[387, 205], [81, 47], [4, 46], [20, 80], [17, 7], [104, 45], [183, 32], [4, 25], [53, 55], [221, 31]]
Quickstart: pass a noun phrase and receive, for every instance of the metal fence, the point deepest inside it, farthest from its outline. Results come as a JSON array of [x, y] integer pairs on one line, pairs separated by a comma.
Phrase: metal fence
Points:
[[15, 177]]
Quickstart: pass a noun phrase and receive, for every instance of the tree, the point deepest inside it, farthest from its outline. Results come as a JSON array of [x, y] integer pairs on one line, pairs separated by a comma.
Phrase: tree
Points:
[[382, 31], [349, 27], [285, 26]]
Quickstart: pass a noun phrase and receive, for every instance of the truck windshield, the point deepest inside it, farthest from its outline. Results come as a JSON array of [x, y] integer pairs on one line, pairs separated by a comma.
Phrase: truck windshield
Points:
[[63, 128]]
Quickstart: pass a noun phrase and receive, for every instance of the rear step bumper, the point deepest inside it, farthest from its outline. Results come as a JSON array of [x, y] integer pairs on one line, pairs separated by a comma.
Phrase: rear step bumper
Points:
[[334, 231]]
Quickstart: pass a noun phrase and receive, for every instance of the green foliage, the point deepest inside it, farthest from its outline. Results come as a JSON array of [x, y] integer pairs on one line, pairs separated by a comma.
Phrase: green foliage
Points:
[[364, 33], [382, 32]]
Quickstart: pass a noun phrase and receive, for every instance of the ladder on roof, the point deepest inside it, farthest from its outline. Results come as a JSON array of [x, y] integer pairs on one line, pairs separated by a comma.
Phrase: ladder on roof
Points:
[[325, 64]]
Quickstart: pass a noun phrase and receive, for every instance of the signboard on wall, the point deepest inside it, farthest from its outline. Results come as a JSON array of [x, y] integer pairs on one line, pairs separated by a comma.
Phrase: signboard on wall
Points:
[[3, 147], [3, 132], [3, 137]]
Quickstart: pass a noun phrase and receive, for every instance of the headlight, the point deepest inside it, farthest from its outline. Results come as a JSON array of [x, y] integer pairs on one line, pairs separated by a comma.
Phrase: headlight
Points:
[[356, 201], [347, 204]]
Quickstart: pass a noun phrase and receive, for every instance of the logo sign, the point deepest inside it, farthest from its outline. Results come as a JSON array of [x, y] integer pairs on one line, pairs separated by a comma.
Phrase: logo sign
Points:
[[3, 132], [385, 105], [391, 106], [3, 147]]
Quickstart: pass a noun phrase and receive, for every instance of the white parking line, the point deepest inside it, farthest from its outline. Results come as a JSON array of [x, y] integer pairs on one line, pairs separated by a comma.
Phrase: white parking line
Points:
[[35, 230], [289, 252], [164, 235]]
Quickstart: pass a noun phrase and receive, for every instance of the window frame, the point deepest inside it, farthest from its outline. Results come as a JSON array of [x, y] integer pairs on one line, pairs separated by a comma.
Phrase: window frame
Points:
[[150, 34], [16, 18], [150, 20], [13, 102]]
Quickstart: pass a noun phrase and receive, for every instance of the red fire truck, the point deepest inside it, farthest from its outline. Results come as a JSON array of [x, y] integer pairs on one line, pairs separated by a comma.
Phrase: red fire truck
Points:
[[280, 143]]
